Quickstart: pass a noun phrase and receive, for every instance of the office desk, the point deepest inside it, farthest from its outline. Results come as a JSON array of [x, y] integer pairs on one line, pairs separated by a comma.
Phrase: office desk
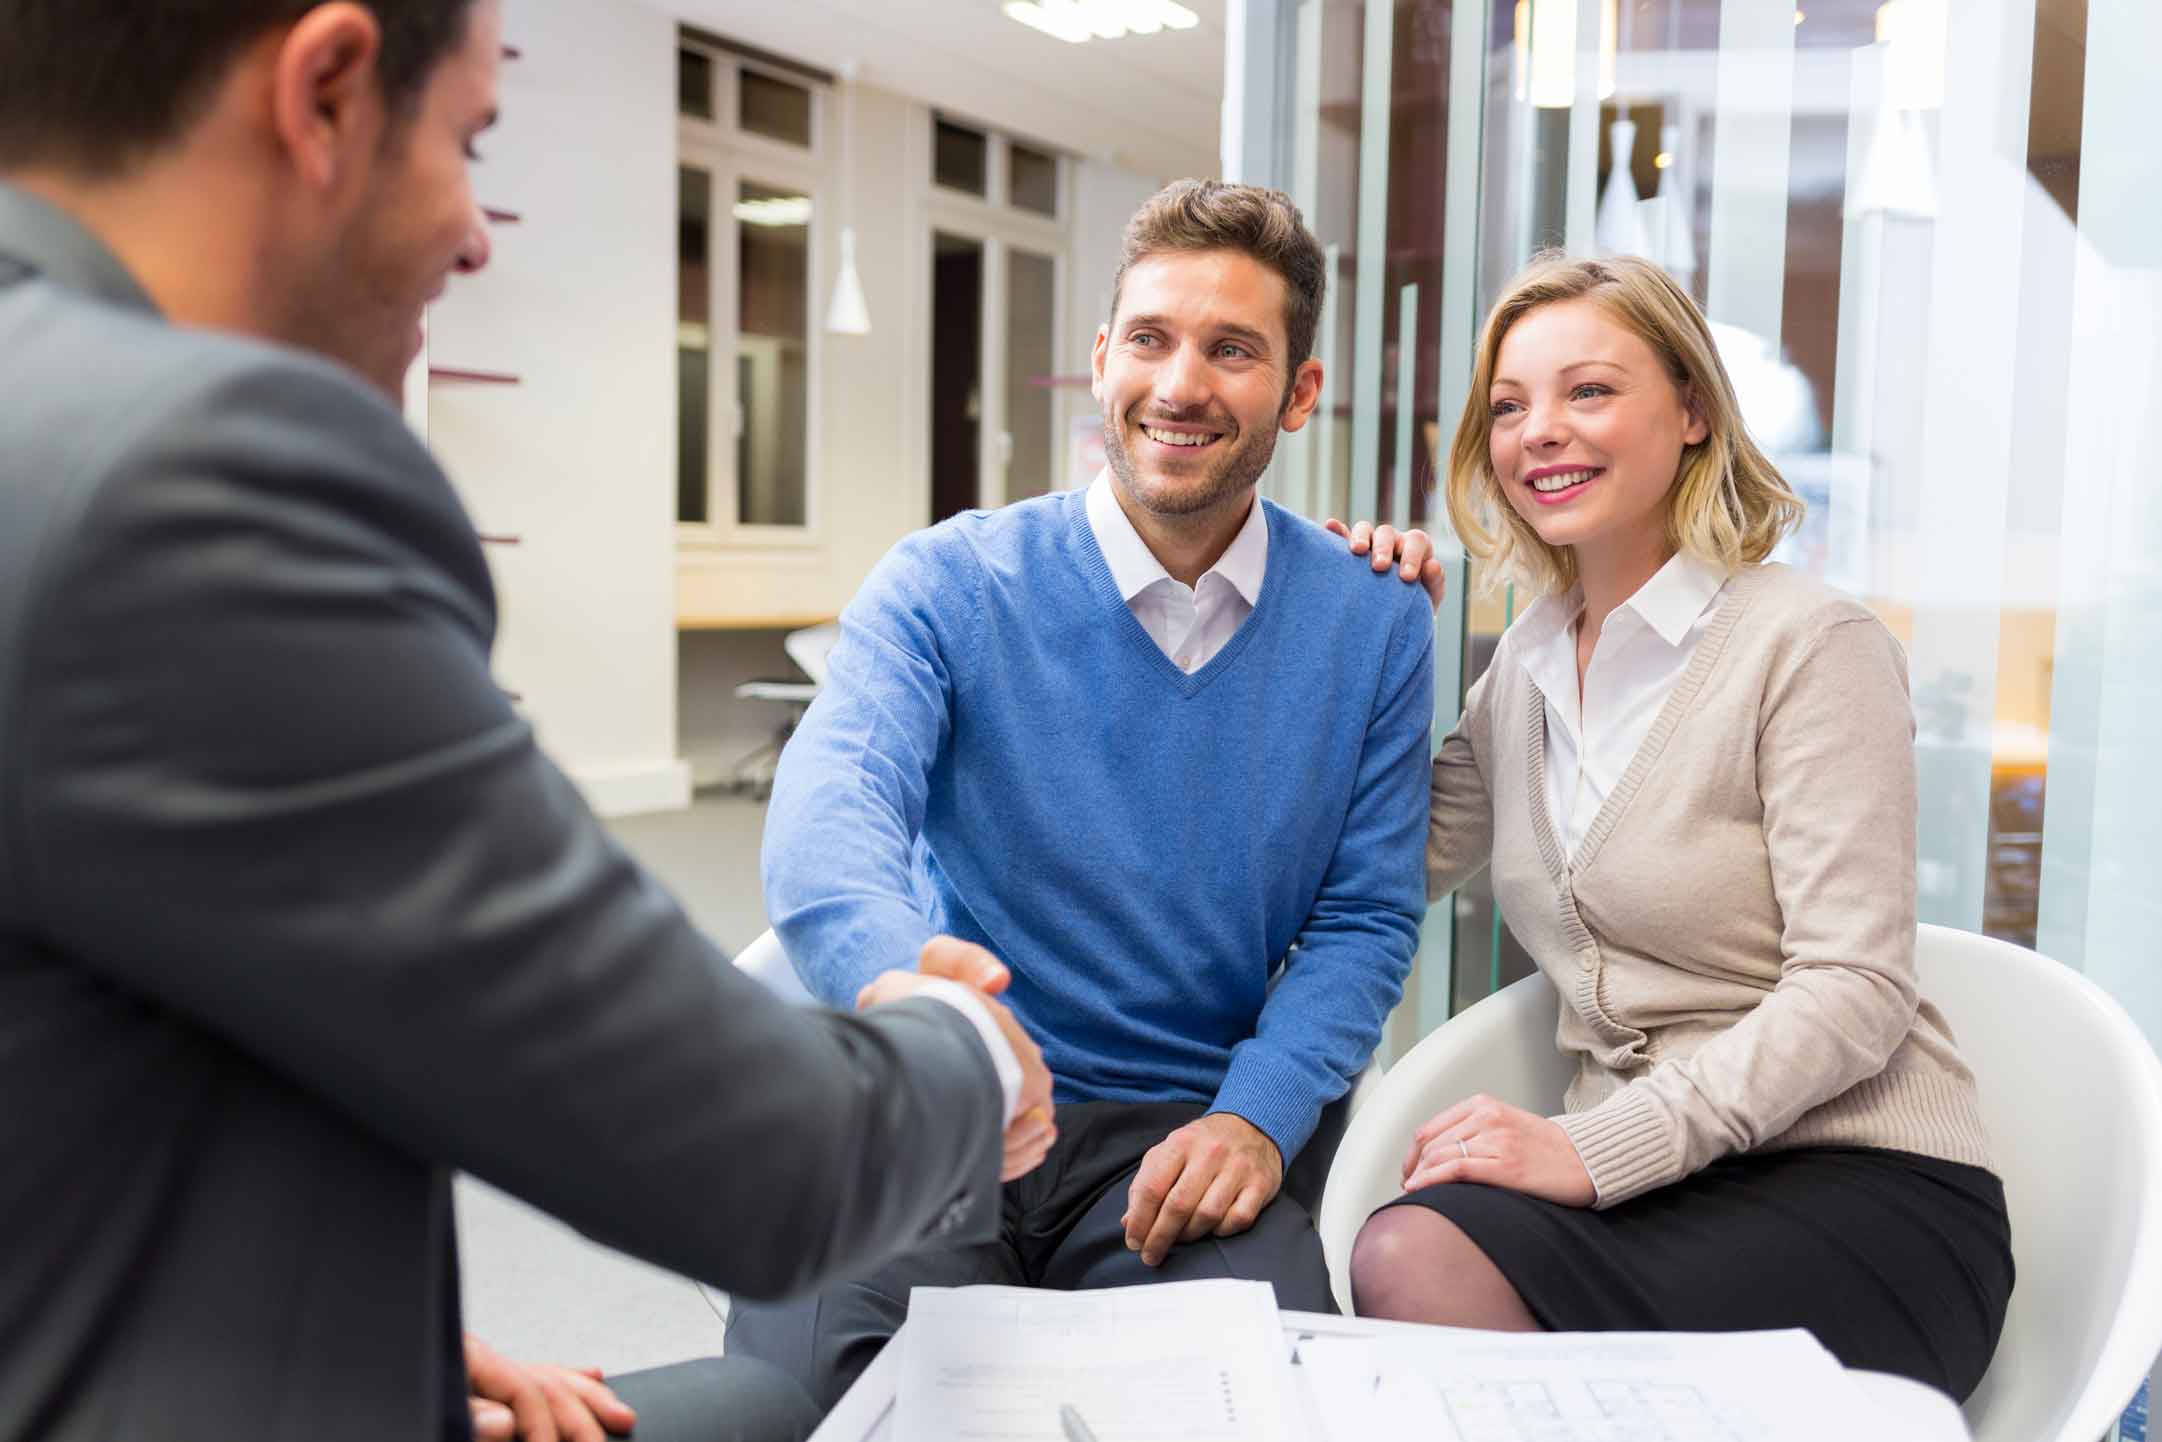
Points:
[[1909, 1411]]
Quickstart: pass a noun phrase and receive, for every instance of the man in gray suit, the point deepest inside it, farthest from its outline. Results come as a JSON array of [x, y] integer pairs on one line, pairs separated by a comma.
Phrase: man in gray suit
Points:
[[294, 918]]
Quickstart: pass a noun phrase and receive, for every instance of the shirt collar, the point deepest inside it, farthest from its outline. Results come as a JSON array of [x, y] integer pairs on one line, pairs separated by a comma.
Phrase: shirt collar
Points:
[[46, 240], [1549, 617], [1134, 567], [1671, 602], [1677, 595]]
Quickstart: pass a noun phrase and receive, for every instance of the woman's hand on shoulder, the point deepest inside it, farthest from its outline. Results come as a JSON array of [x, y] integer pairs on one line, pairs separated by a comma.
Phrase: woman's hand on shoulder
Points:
[[1484, 1140], [1412, 552]]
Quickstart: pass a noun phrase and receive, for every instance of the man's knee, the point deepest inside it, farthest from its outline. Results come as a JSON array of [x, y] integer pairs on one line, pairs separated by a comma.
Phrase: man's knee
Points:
[[717, 1399], [821, 1342], [1283, 1249], [826, 1339]]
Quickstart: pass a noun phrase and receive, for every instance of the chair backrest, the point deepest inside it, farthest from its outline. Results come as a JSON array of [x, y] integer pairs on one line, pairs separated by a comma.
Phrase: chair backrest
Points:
[[765, 962], [810, 647], [2071, 1094], [1503, 1045]]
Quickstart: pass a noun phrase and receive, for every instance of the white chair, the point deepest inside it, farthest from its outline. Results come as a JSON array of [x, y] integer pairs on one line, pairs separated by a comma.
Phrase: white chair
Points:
[[764, 962], [1503, 1046], [2071, 1093]]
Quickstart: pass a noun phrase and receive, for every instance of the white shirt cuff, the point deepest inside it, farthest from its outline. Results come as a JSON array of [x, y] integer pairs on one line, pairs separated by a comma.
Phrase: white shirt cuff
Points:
[[966, 1002]]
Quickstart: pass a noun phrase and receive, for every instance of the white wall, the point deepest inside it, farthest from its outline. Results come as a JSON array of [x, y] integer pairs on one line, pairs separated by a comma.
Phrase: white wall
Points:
[[871, 483], [579, 460], [1104, 198], [866, 490]]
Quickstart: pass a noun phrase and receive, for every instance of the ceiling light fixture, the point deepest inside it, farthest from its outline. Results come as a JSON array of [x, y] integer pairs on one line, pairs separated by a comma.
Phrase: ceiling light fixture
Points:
[[775, 210], [847, 313], [1078, 21]]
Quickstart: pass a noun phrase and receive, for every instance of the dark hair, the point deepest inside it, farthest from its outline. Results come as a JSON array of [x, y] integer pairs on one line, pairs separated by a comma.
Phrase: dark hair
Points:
[[1210, 215], [92, 85]]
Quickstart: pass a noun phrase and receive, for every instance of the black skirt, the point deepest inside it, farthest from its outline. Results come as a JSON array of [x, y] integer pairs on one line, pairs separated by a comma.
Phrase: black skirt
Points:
[[1896, 1262]]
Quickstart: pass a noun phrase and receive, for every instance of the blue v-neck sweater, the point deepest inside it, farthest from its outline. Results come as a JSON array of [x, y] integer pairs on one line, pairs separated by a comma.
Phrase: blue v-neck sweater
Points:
[[1001, 752]]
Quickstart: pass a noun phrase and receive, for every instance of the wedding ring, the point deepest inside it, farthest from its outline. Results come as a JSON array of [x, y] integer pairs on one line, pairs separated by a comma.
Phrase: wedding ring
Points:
[[1464, 1149]]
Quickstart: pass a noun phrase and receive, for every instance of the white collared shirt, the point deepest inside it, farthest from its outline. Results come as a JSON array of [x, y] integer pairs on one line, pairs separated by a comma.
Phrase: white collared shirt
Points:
[[1191, 624], [1003, 1061], [1642, 651]]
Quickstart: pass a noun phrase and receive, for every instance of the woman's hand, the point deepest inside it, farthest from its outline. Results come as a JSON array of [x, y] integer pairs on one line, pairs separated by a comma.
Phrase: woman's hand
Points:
[[1383, 544], [1488, 1141]]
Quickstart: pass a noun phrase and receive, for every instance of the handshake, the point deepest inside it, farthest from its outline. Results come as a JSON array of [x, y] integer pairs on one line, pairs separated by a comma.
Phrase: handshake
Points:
[[1031, 1132]]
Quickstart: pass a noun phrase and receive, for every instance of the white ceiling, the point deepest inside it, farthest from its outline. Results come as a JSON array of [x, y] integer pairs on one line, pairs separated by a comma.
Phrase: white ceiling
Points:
[[1151, 103]]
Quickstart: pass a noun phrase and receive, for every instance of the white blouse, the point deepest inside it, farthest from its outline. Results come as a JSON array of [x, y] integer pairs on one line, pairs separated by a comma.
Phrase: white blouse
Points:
[[1641, 652], [1190, 623]]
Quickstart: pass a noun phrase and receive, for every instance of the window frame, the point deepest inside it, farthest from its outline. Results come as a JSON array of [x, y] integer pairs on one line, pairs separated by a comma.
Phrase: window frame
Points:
[[999, 230], [731, 156], [997, 197]]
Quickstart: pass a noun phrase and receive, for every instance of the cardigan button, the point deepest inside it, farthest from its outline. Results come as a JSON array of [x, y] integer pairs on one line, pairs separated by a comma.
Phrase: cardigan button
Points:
[[1586, 963]]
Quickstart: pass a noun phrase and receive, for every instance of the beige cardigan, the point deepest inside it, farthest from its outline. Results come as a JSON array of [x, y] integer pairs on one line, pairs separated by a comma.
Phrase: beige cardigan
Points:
[[1733, 941]]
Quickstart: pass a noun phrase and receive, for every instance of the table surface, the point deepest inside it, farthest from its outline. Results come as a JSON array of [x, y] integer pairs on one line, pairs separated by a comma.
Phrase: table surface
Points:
[[1907, 1409]]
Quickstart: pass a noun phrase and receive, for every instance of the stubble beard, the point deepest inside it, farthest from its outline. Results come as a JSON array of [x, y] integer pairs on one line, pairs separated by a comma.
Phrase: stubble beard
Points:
[[1237, 470]]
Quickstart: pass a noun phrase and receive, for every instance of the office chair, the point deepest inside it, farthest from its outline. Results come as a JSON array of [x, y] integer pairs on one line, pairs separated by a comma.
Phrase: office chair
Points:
[[2071, 1094], [809, 649]]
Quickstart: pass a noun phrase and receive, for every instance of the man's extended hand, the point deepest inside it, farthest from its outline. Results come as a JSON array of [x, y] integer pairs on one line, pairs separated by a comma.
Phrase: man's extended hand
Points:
[[1030, 1134], [1382, 542], [539, 1404], [1211, 1177]]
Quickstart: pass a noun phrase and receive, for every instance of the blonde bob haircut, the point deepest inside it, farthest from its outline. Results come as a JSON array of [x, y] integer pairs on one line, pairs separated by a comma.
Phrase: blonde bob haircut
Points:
[[1728, 505]]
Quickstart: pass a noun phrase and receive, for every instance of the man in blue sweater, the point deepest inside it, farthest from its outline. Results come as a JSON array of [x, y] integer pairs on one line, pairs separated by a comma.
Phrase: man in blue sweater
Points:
[[1145, 742]]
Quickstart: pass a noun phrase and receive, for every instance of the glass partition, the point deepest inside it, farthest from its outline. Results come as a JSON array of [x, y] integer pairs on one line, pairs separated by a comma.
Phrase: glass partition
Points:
[[1932, 256]]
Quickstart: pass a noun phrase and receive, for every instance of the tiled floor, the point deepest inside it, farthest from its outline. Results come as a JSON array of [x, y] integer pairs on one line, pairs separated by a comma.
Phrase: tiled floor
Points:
[[535, 1289]]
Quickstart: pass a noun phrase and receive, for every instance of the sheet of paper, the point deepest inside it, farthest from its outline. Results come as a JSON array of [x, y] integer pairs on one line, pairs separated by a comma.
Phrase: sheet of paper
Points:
[[1179, 1362], [1452, 1386]]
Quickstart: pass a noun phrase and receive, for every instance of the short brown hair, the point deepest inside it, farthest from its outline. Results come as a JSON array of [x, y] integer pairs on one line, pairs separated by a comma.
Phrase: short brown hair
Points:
[[1729, 504], [91, 87], [1211, 215]]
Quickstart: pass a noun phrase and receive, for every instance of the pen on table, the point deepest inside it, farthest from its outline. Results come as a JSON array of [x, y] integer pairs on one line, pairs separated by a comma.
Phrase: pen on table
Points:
[[1076, 1429]]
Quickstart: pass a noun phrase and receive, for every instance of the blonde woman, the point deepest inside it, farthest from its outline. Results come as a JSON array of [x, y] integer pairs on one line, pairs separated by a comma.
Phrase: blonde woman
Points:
[[1692, 774]]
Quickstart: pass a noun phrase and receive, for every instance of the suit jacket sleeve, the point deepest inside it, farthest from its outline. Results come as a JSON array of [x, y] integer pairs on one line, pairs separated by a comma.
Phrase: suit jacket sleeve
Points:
[[265, 782]]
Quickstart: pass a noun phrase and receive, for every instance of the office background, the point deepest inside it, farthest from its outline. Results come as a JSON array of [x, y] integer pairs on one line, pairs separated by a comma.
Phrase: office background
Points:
[[1928, 231]]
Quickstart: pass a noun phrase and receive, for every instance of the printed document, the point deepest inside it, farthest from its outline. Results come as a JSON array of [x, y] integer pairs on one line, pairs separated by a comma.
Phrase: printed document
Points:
[[1441, 1385], [1178, 1362]]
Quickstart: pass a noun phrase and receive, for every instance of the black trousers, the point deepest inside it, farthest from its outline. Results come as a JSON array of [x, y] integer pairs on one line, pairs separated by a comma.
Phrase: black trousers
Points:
[[716, 1399], [1059, 1227]]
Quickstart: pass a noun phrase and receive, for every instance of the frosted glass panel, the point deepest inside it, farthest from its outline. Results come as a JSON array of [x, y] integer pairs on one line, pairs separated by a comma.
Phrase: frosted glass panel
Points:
[[2099, 903], [1928, 234]]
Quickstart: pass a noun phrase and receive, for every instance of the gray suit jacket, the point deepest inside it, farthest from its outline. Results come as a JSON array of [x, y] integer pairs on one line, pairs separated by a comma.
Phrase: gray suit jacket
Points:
[[295, 919]]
